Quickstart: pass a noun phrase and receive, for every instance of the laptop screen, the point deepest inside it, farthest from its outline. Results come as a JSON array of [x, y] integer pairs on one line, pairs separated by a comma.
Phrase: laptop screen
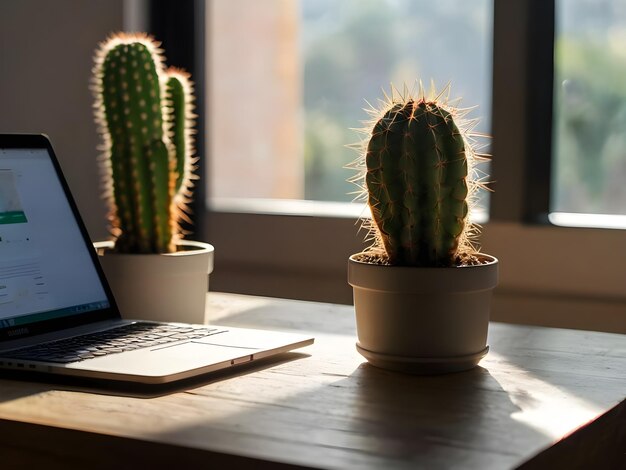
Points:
[[46, 269]]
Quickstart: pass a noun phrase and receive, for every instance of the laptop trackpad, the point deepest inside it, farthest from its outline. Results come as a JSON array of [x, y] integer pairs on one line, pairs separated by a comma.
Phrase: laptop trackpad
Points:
[[232, 344], [195, 354], [249, 339]]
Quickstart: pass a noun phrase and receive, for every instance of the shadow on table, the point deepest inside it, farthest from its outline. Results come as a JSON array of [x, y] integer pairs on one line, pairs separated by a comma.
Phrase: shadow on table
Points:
[[375, 418], [467, 414]]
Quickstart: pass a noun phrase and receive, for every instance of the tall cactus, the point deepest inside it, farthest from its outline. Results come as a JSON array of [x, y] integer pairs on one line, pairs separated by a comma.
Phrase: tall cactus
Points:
[[417, 183], [145, 116]]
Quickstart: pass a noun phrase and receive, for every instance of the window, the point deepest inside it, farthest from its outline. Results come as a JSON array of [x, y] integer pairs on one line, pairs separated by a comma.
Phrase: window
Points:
[[549, 275], [290, 80], [589, 132]]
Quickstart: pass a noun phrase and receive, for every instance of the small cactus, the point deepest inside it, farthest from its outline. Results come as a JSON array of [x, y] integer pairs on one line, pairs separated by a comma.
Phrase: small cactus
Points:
[[179, 92], [416, 172], [145, 119]]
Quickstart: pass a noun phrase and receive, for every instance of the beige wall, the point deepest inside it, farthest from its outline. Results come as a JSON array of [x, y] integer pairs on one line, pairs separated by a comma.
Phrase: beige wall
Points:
[[255, 143], [46, 52]]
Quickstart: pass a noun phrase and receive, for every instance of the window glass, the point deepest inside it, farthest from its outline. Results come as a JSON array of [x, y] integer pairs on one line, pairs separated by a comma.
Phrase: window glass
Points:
[[289, 80], [590, 107]]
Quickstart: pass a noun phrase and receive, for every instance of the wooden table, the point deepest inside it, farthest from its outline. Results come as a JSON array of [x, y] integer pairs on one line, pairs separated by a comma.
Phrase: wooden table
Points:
[[325, 407]]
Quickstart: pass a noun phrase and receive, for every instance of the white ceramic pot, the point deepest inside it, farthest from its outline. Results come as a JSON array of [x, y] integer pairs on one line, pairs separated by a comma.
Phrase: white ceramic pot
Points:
[[420, 319], [160, 287]]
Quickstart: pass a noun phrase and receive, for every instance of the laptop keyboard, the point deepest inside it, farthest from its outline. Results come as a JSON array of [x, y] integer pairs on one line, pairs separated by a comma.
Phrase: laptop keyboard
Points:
[[125, 338]]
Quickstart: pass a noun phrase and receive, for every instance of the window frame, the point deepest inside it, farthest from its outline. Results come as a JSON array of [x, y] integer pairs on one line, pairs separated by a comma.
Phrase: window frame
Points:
[[575, 274], [180, 26], [523, 49]]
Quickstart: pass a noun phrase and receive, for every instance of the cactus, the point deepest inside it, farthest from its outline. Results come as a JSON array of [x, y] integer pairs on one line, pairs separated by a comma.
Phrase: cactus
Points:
[[145, 121], [417, 167], [179, 92]]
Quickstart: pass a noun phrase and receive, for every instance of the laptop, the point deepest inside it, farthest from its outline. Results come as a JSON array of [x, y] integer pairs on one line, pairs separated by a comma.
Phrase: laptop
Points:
[[57, 312]]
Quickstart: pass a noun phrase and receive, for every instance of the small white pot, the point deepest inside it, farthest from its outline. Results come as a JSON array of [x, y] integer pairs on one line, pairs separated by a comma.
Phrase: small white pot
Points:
[[160, 287], [422, 320]]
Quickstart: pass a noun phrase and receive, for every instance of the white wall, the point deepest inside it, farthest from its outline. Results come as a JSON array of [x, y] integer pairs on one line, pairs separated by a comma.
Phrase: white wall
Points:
[[46, 50]]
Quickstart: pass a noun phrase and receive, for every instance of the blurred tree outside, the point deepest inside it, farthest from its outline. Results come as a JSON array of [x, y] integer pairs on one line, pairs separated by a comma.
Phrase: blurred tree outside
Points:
[[353, 49], [304, 70], [590, 107]]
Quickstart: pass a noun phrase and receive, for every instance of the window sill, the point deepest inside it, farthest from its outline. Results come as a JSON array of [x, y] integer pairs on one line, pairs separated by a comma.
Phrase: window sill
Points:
[[303, 208], [280, 255], [596, 221]]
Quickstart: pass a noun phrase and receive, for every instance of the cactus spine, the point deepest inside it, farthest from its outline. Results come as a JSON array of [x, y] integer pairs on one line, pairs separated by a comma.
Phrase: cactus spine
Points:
[[417, 164], [145, 120]]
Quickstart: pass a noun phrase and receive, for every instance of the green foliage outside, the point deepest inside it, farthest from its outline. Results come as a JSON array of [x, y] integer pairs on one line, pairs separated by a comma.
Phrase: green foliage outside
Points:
[[590, 126], [353, 49]]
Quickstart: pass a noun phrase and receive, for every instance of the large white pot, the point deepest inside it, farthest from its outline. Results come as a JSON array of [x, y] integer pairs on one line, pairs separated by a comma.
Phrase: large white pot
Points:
[[420, 319], [160, 287]]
